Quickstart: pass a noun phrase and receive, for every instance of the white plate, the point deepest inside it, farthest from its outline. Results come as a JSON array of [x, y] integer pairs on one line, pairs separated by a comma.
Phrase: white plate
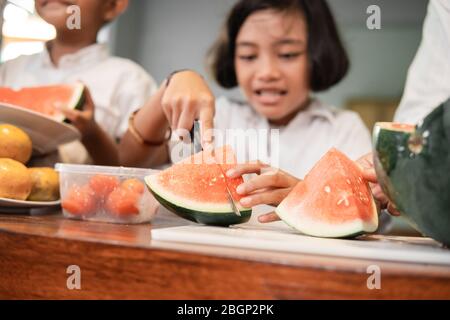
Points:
[[9, 203], [46, 133]]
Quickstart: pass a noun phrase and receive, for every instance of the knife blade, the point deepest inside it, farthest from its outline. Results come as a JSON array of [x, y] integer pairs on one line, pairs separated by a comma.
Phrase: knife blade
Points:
[[230, 197], [195, 137], [197, 147]]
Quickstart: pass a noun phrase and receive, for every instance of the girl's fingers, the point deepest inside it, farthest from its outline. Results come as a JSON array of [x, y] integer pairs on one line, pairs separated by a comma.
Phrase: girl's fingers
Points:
[[168, 114], [276, 180], [366, 162], [268, 217], [247, 168], [206, 117], [176, 112], [370, 175], [187, 118], [273, 197], [393, 210]]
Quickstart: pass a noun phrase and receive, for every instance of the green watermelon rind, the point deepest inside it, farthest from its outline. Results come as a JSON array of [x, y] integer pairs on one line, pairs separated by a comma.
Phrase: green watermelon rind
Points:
[[334, 230], [203, 213], [416, 181], [76, 102]]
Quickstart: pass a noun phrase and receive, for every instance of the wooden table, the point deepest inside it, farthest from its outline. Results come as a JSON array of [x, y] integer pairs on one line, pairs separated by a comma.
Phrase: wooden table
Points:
[[120, 261]]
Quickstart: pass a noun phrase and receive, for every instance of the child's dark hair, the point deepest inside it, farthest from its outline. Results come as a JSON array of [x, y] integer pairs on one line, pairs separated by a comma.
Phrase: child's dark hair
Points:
[[328, 59]]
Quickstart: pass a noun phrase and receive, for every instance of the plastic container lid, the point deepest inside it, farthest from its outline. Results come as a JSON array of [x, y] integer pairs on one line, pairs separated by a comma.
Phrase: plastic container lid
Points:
[[116, 171]]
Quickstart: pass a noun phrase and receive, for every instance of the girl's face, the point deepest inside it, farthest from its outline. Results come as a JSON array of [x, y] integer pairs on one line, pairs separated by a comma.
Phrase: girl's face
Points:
[[271, 63]]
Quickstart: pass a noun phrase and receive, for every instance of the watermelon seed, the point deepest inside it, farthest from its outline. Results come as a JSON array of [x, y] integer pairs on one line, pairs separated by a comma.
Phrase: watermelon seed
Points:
[[327, 189], [363, 198], [349, 182], [343, 200]]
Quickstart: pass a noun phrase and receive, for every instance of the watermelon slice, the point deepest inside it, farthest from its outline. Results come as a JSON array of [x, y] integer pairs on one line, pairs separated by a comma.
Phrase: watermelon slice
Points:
[[413, 165], [333, 201], [195, 189], [45, 100]]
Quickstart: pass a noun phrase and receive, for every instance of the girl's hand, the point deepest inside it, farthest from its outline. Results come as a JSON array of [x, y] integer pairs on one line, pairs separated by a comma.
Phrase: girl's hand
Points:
[[83, 120], [366, 164], [270, 187], [186, 99]]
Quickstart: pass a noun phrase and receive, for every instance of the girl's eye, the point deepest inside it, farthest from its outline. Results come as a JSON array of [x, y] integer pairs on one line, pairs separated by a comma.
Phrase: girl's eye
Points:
[[290, 55], [250, 57]]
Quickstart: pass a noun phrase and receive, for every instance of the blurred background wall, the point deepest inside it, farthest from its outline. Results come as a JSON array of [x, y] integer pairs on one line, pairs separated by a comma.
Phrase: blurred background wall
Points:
[[167, 35], [171, 34]]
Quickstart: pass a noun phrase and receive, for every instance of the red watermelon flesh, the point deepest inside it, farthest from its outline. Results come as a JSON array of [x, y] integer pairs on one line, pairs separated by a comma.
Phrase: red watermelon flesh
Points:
[[196, 188], [333, 201], [45, 99]]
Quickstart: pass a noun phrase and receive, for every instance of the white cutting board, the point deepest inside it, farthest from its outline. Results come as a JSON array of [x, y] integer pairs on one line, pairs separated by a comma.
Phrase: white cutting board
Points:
[[280, 238]]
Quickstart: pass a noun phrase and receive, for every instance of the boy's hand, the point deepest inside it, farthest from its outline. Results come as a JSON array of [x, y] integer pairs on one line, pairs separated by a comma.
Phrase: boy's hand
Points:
[[187, 98], [83, 120], [270, 187]]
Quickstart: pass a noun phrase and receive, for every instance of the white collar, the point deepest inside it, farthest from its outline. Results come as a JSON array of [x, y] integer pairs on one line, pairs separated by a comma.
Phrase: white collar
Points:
[[92, 54], [315, 109]]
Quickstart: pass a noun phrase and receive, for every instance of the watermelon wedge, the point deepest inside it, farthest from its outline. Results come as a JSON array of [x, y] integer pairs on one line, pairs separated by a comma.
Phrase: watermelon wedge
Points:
[[195, 189], [46, 99], [413, 166], [332, 202]]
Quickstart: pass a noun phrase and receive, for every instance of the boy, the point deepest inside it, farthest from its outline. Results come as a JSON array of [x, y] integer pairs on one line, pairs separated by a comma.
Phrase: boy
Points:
[[118, 86]]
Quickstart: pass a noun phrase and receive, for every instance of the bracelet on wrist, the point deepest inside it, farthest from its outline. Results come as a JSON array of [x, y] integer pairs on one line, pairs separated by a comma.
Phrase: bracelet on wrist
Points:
[[138, 137]]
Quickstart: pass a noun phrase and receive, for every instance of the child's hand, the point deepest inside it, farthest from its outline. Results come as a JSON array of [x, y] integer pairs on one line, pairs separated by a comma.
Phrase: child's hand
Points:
[[83, 120], [187, 98], [366, 164], [270, 187]]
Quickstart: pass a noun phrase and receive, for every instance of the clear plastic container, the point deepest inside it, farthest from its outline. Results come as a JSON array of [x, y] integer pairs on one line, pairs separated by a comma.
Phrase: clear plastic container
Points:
[[106, 194]]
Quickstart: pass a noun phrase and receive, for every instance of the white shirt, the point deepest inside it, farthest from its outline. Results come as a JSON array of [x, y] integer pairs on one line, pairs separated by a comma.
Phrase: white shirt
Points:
[[300, 144], [118, 86], [428, 82]]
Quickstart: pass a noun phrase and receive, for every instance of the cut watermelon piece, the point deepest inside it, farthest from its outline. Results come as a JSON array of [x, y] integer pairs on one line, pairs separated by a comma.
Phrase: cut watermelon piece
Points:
[[334, 201], [46, 99], [195, 189], [413, 165]]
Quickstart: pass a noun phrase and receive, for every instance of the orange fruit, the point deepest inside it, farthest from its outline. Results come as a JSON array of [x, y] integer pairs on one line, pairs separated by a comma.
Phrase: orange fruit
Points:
[[15, 143], [133, 185], [123, 202], [103, 185], [80, 201], [45, 182], [15, 180]]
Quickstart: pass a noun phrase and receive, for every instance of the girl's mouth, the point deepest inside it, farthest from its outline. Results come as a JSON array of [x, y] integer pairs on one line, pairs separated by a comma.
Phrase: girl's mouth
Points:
[[270, 96]]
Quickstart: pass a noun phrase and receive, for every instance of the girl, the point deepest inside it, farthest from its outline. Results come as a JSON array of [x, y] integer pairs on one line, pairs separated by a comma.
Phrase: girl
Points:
[[277, 52]]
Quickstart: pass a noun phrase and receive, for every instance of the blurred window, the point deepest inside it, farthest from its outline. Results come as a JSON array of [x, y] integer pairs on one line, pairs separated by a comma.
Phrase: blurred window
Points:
[[24, 32]]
